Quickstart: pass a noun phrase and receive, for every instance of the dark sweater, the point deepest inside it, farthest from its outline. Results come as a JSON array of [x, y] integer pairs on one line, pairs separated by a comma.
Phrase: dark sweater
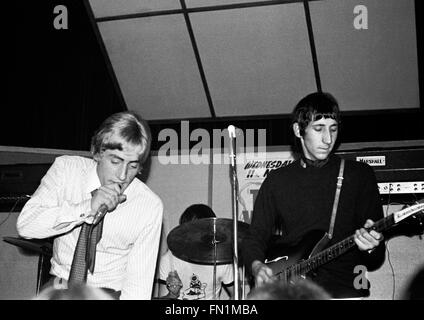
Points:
[[300, 200]]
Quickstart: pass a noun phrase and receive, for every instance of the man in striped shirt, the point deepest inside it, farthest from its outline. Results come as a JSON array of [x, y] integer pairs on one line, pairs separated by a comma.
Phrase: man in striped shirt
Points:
[[76, 188]]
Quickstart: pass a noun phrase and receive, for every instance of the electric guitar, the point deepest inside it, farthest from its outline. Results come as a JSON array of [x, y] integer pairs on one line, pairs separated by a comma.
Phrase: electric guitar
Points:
[[293, 265]]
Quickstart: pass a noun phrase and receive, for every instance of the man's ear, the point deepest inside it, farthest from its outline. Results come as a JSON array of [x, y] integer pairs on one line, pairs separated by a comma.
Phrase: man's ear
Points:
[[96, 156], [296, 130]]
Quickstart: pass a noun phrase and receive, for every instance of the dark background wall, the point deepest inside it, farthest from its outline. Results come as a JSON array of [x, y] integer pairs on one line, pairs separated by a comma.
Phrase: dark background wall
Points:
[[59, 87]]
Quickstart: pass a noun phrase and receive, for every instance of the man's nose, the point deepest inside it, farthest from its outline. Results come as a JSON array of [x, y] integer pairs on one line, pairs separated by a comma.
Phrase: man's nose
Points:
[[327, 138], [123, 173]]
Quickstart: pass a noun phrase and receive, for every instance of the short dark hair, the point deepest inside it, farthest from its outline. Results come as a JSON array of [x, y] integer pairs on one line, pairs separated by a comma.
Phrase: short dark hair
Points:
[[127, 125], [313, 107], [196, 211]]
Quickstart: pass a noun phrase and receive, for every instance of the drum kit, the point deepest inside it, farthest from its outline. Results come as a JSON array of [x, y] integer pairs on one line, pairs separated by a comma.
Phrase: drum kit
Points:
[[207, 241]]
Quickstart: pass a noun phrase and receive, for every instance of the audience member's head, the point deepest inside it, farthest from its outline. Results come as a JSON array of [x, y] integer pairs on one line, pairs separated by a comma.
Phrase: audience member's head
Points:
[[76, 292], [415, 287], [196, 211], [302, 289]]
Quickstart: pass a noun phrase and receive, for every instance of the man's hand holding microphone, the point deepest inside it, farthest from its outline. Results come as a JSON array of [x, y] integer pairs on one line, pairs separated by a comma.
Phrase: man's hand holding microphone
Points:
[[106, 199]]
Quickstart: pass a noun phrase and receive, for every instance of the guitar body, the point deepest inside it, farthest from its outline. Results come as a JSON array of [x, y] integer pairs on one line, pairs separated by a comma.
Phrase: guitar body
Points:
[[279, 258]]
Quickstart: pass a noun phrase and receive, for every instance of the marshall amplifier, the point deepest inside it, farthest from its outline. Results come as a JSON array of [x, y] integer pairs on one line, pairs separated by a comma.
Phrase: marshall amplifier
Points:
[[398, 170]]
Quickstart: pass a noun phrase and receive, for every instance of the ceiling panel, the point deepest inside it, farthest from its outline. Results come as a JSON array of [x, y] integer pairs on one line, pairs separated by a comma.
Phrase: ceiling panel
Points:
[[155, 66], [257, 60], [108, 8], [208, 3], [374, 68]]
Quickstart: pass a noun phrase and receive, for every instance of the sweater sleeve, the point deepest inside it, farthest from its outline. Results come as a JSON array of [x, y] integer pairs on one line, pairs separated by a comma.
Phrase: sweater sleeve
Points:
[[262, 225]]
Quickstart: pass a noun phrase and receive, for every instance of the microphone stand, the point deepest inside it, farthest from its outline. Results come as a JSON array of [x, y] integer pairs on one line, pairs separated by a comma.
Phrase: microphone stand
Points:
[[234, 198], [214, 258]]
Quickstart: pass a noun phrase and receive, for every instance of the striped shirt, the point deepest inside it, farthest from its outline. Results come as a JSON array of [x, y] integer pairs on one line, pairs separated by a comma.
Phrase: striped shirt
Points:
[[127, 252]]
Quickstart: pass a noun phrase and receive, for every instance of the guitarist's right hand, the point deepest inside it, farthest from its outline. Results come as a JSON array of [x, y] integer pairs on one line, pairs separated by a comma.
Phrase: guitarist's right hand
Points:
[[262, 273]]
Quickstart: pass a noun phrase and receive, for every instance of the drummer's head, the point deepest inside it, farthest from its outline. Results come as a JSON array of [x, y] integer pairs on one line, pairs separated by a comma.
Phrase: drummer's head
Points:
[[196, 211]]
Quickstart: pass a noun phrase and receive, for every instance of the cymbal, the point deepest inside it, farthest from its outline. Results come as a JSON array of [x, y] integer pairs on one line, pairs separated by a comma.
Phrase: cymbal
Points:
[[194, 241], [37, 245]]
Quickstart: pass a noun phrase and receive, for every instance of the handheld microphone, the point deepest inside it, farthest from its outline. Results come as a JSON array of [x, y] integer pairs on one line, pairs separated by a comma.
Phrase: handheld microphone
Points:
[[101, 212]]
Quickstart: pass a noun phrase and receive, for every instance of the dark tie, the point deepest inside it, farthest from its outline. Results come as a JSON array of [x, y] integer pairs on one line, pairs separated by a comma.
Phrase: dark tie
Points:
[[85, 252]]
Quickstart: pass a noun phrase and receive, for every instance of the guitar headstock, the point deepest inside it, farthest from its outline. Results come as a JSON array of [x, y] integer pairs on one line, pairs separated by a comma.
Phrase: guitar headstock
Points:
[[410, 221], [416, 209], [418, 219]]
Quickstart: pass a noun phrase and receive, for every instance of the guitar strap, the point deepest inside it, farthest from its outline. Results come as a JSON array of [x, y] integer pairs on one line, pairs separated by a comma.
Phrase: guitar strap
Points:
[[336, 198]]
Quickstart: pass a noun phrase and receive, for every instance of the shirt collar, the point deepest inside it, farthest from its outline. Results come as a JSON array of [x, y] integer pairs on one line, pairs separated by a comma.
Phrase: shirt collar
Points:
[[93, 181]]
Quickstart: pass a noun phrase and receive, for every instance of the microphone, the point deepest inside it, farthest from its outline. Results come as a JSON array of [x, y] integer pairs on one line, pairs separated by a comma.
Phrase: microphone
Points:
[[101, 212], [232, 134], [232, 131]]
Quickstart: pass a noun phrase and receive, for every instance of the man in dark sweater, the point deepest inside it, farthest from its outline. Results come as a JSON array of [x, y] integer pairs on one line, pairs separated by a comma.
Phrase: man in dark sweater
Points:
[[296, 200]]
